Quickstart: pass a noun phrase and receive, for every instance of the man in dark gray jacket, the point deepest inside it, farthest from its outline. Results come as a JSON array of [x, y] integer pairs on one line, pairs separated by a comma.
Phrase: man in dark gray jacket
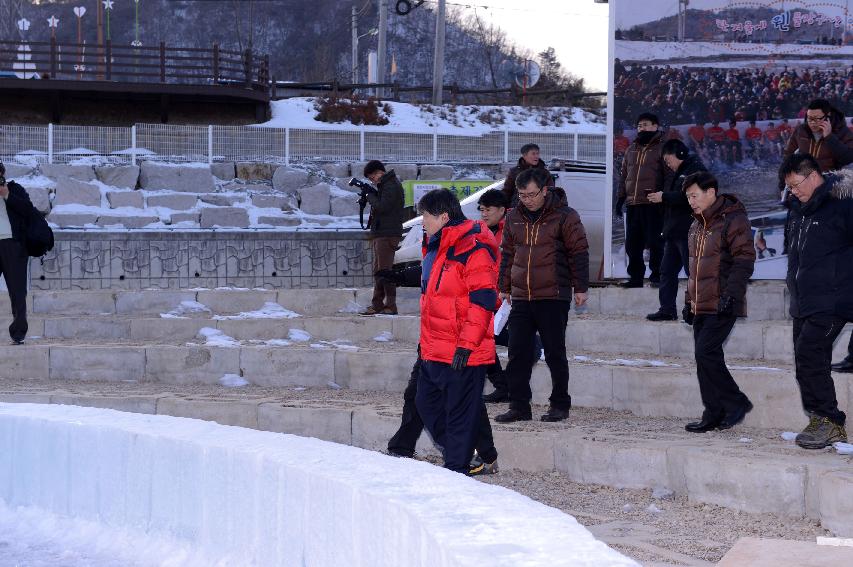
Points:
[[386, 229]]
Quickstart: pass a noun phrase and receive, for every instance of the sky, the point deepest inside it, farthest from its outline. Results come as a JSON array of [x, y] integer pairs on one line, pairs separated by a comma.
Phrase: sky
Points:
[[576, 29]]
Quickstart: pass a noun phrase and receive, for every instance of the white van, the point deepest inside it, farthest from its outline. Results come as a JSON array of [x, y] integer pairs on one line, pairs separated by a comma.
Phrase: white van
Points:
[[585, 188]]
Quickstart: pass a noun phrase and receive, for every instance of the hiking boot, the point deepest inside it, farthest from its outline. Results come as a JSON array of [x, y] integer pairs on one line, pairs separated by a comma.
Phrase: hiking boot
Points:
[[371, 311], [514, 415], [824, 434], [810, 429], [662, 316], [388, 311], [496, 397], [479, 467]]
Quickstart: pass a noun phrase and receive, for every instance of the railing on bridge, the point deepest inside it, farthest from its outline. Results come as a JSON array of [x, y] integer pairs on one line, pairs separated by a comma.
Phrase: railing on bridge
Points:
[[209, 144], [129, 63]]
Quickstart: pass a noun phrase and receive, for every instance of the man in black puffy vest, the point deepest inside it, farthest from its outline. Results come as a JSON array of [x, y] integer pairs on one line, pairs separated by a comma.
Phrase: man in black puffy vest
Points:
[[14, 260]]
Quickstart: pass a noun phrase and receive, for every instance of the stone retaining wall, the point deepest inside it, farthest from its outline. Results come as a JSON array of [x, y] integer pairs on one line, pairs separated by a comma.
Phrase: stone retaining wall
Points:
[[192, 259]]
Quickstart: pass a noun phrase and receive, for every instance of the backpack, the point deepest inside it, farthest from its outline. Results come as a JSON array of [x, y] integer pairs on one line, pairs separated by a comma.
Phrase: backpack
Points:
[[39, 237]]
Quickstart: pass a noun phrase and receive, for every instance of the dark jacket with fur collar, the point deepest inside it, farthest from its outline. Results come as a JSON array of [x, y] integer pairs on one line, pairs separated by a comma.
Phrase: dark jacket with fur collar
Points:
[[820, 250]]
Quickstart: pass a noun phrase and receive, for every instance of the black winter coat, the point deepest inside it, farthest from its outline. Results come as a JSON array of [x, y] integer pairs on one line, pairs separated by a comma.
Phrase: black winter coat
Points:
[[678, 216], [820, 250], [386, 207], [20, 209]]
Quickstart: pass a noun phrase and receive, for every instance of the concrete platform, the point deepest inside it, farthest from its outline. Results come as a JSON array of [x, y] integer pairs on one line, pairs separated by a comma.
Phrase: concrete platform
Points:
[[755, 552], [763, 474]]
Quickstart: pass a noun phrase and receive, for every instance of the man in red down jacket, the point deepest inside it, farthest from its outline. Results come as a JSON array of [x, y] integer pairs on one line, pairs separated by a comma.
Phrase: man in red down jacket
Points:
[[458, 298]]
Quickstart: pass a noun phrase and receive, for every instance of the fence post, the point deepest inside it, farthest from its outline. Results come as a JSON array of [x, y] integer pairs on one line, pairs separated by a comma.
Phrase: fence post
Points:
[[247, 67], [361, 144], [162, 62], [210, 144], [506, 145], [133, 145], [215, 63], [50, 143], [435, 146], [53, 58], [576, 147], [109, 61], [287, 146]]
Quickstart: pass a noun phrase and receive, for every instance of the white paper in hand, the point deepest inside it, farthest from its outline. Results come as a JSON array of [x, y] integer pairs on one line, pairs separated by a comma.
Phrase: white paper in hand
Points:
[[501, 317]]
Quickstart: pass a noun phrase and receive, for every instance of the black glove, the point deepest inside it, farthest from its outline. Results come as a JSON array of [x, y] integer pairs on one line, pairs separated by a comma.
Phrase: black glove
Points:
[[687, 314], [460, 358], [617, 208], [726, 306], [396, 277]]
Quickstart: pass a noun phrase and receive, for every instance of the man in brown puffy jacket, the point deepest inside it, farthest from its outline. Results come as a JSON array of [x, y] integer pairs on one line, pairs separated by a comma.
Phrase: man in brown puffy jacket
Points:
[[643, 172], [722, 258], [544, 265]]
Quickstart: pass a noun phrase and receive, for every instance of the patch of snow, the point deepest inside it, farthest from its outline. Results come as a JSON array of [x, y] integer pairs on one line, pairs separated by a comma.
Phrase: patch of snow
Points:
[[334, 386], [638, 362], [756, 368], [319, 345], [216, 338], [662, 493], [270, 310], [843, 448], [351, 307], [298, 335], [185, 309], [652, 509], [233, 381], [384, 337], [744, 440], [628, 508], [277, 342], [788, 435]]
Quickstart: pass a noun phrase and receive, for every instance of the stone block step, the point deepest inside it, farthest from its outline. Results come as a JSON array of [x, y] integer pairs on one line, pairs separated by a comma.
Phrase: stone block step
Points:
[[747, 469], [598, 382], [757, 552]]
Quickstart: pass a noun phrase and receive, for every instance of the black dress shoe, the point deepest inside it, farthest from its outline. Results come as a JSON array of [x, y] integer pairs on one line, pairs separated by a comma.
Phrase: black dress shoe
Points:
[[496, 397], [514, 415], [631, 284], [705, 424], [662, 316], [845, 366], [555, 414], [733, 418]]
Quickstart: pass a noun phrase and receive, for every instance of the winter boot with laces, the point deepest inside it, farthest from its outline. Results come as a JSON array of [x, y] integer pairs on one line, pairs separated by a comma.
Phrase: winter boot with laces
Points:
[[479, 467], [824, 434]]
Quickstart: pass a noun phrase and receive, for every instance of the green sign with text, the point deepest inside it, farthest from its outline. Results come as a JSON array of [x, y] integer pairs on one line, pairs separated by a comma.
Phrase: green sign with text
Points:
[[462, 188]]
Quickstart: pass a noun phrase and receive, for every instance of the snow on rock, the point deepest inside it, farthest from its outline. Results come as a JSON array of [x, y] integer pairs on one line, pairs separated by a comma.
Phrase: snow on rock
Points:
[[236, 496], [270, 310], [298, 335], [188, 309], [216, 338], [843, 448], [351, 307], [233, 381], [788, 435], [461, 120]]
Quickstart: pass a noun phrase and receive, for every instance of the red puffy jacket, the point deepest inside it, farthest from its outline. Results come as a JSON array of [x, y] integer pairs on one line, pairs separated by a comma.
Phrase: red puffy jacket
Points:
[[458, 299]]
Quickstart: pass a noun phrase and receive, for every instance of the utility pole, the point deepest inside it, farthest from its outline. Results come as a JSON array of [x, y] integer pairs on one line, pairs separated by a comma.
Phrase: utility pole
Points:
[[354, 44], [383, 32], [438, 63]]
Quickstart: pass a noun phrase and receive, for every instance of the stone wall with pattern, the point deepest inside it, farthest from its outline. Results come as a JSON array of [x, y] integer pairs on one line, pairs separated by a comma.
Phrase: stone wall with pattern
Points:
[[204, 259]]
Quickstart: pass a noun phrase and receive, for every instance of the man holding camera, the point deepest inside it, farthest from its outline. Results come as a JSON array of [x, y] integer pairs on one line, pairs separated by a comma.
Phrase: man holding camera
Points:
[[386, 229], [14, 260]]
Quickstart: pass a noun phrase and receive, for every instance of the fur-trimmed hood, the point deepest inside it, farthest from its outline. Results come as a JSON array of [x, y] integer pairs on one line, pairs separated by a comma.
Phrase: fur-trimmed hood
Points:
[[841, 183]]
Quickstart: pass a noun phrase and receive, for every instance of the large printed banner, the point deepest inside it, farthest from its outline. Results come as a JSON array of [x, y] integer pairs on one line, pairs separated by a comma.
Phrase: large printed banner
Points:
[[732, 80]]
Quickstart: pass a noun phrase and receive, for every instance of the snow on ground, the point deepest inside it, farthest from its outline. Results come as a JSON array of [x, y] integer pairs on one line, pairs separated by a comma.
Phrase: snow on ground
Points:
[[233, 381], [383, 337], [788, 435], [270, 310], [298, 335], [187, 309], [461, 120], [627, 362], [216, 338]]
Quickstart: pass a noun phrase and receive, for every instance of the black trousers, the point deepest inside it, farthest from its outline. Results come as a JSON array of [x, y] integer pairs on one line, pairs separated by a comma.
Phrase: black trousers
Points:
[[549, 318], [720, 392], [849, 356], [813, 339], [675, 257], [406, 438], [643, 228], [14, 262], [450, 403]]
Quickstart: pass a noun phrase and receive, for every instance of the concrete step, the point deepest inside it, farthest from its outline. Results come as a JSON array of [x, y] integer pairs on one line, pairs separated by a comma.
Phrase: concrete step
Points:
[[599, 381], [747, 468], [757, 552]]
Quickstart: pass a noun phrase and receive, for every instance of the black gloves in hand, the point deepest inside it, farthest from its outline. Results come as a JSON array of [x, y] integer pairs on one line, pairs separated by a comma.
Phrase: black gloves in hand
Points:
[[726, 306], [687, 314], [617, 208], [460, 358], [393, 276]]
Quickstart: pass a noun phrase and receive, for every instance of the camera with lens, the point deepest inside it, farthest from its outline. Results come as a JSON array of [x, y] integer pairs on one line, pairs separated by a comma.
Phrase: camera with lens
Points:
[[366, 189]]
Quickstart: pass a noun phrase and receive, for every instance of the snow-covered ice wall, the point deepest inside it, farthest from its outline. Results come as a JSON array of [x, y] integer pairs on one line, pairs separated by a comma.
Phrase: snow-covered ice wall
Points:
[[245, 497]]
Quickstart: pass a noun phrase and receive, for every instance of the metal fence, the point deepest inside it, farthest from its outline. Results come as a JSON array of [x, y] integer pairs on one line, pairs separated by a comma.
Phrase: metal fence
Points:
[[209, 144]]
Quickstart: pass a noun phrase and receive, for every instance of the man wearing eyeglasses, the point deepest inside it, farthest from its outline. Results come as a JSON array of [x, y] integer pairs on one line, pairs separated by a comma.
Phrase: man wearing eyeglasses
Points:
[[820, 284], [544, 265]]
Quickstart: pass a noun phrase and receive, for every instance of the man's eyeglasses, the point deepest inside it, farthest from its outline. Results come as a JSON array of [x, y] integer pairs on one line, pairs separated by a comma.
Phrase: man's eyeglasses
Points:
[[795, 185], [530, 196], [816, 119]]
